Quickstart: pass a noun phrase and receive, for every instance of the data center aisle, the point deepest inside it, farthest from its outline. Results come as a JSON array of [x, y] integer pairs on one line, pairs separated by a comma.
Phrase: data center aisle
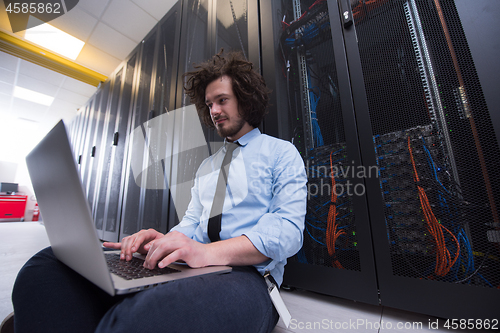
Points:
[[310, 312]]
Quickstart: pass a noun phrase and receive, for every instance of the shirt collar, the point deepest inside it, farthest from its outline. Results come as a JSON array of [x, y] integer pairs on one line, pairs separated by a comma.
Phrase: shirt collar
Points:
[[245, 139]]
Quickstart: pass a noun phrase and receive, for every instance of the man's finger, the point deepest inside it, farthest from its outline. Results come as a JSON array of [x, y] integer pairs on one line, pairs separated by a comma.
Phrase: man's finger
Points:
[[110, 245]]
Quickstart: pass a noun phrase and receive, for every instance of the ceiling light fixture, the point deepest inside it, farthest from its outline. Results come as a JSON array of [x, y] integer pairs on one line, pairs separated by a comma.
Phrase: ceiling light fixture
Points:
[[33, 96], [53, 39]]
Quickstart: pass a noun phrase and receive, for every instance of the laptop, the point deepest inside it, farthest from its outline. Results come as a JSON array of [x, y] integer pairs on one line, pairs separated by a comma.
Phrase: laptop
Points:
[[70, 226]]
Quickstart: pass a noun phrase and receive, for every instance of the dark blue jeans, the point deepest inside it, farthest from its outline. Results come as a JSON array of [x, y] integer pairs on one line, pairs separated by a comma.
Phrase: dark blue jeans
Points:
[[48, 296]]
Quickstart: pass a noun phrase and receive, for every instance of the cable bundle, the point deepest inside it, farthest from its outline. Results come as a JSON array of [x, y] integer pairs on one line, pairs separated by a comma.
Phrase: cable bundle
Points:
[[331, 230], [444, 261]]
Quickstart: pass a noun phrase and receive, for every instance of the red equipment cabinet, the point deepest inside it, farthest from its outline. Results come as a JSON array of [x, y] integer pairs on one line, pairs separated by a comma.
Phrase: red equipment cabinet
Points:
[[13, 206]]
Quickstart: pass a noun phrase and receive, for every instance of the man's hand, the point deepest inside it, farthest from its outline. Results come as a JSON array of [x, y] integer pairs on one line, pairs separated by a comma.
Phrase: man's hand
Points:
[[176, 246], [163, 250], [139, 242]]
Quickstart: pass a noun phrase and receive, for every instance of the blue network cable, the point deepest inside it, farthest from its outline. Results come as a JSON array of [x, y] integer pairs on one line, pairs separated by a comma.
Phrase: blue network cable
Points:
[[314, 100]]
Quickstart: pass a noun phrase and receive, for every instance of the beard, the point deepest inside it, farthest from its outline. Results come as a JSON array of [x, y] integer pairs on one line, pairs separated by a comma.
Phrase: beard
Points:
[[227, 131]]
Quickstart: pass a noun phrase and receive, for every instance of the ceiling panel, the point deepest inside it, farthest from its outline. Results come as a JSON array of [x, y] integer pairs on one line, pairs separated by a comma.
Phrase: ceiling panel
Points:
[[5, 102], [29, 110], [78, 87], [93, 7], [111, 41], [106, 64], [61, 106], [36, 85], [72, 97], [111, 30], [156, 8], [77, 23], [128, 18], [40, 73], [6, 88], [7, 76], [8, 62]]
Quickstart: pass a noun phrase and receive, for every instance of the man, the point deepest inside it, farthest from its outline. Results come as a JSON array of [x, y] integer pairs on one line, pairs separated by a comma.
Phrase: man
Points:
[[260, 227]]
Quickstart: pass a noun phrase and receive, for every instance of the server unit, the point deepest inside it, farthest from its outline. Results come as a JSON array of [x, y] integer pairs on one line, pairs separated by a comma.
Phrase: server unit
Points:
[[312, 107], [435, 212]]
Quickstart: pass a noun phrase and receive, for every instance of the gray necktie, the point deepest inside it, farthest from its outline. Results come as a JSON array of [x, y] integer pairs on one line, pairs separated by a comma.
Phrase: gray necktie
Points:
[[214, 222]]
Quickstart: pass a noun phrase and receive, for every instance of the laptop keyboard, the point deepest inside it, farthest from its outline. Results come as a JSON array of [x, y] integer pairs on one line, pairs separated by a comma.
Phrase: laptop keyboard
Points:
[[134, 268]]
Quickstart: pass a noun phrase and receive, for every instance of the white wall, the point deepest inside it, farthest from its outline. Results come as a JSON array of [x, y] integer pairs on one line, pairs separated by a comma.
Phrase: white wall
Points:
[[8, 172]]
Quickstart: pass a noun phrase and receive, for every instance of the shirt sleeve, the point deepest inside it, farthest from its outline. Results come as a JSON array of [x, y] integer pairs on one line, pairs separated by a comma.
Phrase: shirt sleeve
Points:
[[279, 233]]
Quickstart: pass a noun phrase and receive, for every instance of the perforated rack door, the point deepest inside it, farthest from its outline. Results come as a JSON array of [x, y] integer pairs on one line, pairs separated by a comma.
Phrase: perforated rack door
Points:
[[423, 120], [313, 109]]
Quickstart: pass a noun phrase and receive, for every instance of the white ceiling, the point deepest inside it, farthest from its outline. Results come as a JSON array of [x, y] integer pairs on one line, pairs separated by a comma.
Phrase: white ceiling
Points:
[[111, 29]]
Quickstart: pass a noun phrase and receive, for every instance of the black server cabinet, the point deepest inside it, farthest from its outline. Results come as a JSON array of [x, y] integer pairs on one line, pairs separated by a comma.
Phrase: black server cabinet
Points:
[[85, 158], [133, 208], [117, 140], [424, 121], [82, 130], [72, 128], [96, 146], [237, 28], [145, 197], [313, 108], [89, 157], [104, 157], [107, 203], [75, 125], [411, 107]]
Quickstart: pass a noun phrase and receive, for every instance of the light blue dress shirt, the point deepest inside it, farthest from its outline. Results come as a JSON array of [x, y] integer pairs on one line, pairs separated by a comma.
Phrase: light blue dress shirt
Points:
[[265, 199]]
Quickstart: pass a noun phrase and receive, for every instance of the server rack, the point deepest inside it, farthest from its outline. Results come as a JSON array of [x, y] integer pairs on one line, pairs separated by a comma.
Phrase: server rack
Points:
[[105, 155], [435, 206], [413, 109], [314, 110], [85, 158], [142, 206]]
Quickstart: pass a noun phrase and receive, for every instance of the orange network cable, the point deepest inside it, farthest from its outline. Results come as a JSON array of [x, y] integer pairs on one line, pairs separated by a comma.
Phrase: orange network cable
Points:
[[331, 229], [444, 261], [364, 7]]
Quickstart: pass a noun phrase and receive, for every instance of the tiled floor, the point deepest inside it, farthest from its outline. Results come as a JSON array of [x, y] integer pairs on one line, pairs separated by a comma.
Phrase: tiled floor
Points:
[[310, 312]]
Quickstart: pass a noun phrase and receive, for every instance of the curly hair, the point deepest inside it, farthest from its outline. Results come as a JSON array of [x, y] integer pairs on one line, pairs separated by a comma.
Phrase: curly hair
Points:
[[248, 86]]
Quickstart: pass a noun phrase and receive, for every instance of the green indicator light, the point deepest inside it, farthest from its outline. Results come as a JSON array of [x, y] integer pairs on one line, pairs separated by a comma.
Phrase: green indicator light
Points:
[[355, 243]]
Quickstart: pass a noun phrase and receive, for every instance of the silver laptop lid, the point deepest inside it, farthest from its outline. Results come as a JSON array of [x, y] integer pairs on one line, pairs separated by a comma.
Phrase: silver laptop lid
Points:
[[66, 213]]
